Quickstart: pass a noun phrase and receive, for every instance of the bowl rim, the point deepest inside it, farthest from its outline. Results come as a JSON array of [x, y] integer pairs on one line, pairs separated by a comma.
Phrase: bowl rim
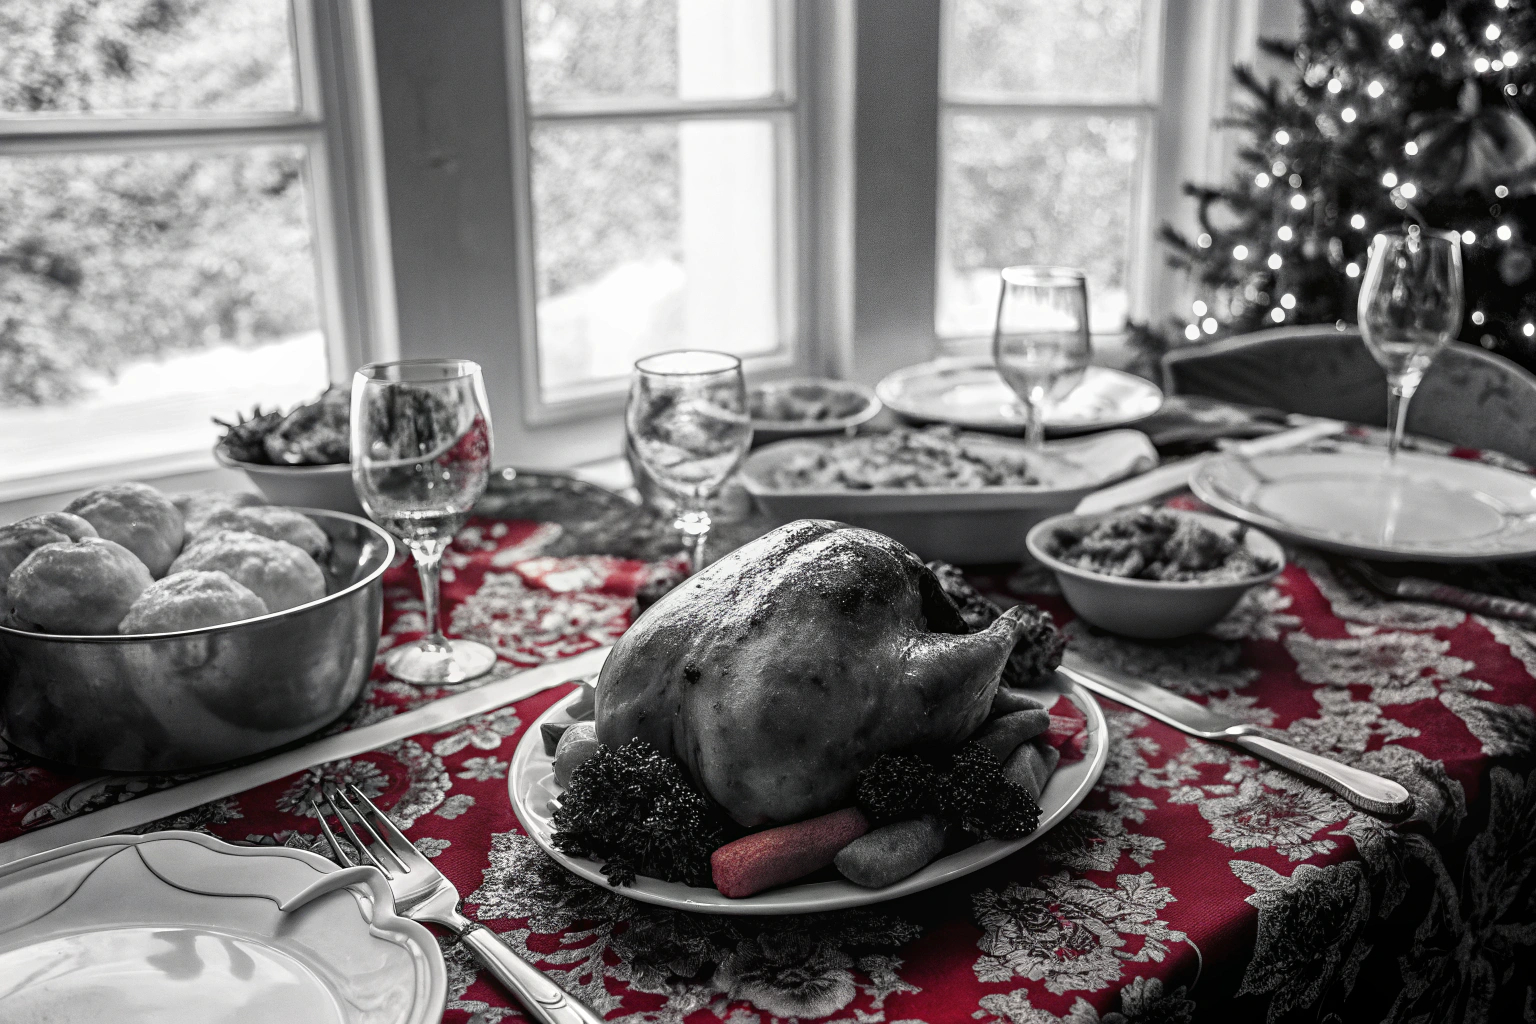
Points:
[[1275, 552], [228, 461], [872, 404], [109, 638]]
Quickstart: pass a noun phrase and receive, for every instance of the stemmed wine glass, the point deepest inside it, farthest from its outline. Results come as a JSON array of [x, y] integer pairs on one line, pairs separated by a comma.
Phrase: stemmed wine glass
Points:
[[688, 425], [1041, 341], [421, 455], [1410, 306]]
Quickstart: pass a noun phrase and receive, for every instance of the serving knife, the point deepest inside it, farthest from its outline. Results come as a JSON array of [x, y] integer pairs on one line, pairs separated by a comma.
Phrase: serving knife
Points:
[[1176, 475], [1365, 790]]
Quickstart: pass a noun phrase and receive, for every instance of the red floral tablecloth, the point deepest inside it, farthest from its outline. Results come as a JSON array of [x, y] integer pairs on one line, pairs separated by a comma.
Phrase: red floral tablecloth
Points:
[[1195, 883]]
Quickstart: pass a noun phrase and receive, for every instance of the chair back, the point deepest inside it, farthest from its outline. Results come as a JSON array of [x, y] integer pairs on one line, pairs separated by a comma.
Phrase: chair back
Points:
[[1469, 397]]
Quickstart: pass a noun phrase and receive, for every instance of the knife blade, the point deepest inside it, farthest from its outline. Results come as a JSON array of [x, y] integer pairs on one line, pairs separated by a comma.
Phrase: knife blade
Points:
[[1365, 790]]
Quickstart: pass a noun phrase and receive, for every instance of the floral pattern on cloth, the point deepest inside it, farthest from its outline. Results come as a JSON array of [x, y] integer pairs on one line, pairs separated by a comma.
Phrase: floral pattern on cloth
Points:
[[1195, 882]]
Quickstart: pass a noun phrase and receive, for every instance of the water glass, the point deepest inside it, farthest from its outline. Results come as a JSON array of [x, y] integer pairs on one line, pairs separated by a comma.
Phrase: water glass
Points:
[[1410, 306], [1041, 340], [421, 456], [687, 424]]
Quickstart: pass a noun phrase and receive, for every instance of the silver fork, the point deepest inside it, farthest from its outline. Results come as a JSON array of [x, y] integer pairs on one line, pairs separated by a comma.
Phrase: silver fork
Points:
[[422, 893]]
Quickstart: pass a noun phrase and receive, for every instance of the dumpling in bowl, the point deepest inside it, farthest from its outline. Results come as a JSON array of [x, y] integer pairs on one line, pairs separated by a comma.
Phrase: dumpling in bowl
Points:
[[191, 600], [138, 517], [82, 587], [20, 539], [276, 522], [197, 506], [282, 575]]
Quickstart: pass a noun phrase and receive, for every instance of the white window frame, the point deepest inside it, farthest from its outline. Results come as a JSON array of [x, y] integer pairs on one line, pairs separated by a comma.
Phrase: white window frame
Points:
[[337, 121], [1144, 110], [603, 401], [1200, 40]]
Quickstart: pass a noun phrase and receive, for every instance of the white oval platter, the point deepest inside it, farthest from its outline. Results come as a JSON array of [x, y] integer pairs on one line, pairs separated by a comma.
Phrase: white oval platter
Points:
[[179, 926], [1428, 508], [532, 784], [967, 391]]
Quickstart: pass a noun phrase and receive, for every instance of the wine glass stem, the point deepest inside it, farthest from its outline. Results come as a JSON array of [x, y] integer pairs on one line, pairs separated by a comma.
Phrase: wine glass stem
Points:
[[1034, 424], [695, 526], [429, 563], [1399, 394]]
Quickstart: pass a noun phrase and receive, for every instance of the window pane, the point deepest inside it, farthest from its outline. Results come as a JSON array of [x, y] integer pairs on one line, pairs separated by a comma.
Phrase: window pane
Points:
[[141, 294], [649, 237], [73, 57], [1038, 49], [688, 49], [1034, 189]]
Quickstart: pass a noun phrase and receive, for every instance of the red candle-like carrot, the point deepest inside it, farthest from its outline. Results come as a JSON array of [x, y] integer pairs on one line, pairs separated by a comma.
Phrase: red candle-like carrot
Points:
[[778, 855]]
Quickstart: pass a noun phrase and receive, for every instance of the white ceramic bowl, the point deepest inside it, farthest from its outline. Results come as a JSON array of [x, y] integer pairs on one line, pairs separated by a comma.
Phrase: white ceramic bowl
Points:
[[327, 487], [765, 431], [1150, 609]]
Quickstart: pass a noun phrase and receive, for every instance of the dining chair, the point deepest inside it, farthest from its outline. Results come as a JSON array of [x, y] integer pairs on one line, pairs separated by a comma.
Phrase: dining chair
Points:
[[1469, 397]]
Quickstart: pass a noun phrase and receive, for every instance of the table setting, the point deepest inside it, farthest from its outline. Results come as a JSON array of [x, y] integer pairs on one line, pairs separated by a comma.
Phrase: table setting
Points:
[[1039, 697]]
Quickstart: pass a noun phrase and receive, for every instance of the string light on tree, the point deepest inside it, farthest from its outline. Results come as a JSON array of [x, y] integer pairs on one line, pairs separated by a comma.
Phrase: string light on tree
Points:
[[1398, 112]]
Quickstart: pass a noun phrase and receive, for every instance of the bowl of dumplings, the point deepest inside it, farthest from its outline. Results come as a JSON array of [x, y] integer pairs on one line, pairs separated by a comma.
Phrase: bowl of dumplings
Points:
[[149, 632]]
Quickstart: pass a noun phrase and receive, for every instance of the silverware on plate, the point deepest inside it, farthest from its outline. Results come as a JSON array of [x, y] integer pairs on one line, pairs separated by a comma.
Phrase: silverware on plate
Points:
[[1415, 588], [1176, 475], [1363, 789], [422, 893]]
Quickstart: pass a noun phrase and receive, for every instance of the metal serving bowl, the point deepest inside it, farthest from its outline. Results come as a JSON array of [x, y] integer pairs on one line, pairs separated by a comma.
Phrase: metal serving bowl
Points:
[[159, 702]]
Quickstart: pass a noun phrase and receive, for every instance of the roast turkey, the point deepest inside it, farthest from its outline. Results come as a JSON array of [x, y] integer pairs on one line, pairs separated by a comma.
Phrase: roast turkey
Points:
[[778, 673]]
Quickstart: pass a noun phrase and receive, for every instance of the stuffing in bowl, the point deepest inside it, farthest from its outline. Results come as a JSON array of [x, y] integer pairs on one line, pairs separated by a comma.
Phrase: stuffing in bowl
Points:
[[1152, 573]]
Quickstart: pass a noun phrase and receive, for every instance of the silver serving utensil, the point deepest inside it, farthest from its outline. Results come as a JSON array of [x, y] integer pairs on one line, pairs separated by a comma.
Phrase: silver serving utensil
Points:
[[422, 893], [1414, 588], [1177, 475], [1365, 790]]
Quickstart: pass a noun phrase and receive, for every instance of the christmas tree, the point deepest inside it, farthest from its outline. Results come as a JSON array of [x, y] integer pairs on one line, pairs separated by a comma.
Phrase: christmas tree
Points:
[[1401, 111]]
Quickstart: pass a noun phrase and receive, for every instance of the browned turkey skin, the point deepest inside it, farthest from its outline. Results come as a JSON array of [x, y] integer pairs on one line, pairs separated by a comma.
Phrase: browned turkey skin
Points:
[[779, 672]]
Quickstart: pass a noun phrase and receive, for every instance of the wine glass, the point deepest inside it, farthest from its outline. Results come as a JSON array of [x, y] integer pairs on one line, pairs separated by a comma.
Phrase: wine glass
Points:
[[421, 455], [687, 423], [1410, 305], [1041, 342]]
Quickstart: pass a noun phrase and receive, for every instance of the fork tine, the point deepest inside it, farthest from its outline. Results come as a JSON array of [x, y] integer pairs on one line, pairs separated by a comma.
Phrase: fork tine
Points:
[[357, 842], [330, 837], [362, 821], [398, 844]]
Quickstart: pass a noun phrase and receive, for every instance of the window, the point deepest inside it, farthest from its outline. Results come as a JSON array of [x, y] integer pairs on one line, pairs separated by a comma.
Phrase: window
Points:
[[173, 242], [658, 175], [1047, 113]]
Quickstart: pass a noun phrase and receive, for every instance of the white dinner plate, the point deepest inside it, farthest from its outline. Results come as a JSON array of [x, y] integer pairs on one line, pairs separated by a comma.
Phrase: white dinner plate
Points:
[[968, 392], [532, 784], [962, 525], [1429, 508], [178, 926]]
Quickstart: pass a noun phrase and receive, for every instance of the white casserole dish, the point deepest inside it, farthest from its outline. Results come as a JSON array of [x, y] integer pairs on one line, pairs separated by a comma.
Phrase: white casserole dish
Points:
[[968, 525]]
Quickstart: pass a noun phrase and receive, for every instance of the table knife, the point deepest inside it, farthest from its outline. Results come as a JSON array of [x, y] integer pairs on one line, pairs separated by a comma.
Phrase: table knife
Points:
[[1363, 789]]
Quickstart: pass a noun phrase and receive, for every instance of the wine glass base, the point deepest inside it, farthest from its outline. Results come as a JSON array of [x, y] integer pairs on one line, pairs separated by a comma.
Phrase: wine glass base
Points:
[[433, 666]]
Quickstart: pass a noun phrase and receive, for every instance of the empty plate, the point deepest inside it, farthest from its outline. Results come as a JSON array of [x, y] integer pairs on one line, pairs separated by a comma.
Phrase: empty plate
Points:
[[968, 393], [178, 926], [1426, 508]]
